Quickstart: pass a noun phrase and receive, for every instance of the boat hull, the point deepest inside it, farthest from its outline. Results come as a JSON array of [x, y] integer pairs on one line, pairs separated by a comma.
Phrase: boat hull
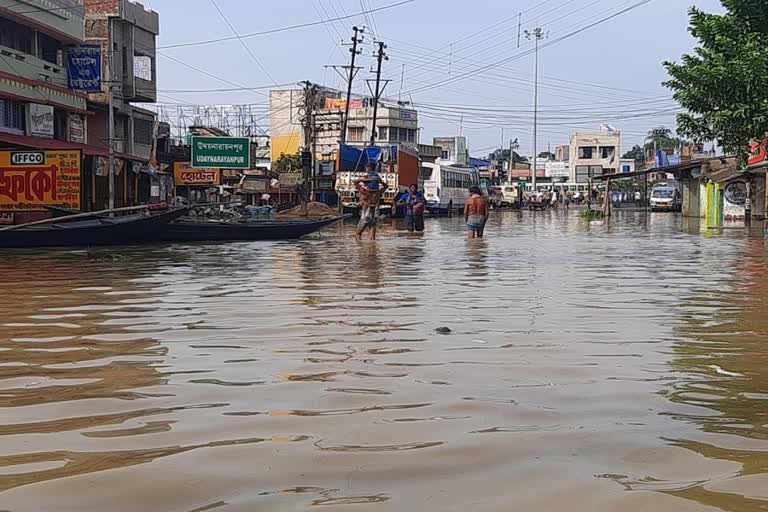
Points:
[[183, 231], [128, 230]]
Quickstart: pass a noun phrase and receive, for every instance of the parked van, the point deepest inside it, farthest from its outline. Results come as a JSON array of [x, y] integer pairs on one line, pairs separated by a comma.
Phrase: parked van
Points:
[[665, 198]]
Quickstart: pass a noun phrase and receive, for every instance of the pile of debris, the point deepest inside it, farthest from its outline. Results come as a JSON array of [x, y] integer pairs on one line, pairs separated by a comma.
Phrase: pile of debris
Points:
[[312, 210]]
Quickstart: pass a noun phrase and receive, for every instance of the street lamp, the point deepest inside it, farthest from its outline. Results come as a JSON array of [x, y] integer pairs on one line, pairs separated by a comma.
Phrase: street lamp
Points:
[[537, 35]]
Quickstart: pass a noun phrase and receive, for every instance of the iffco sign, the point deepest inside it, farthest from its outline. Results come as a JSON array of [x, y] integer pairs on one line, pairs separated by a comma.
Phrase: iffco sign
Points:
[[221, 153]]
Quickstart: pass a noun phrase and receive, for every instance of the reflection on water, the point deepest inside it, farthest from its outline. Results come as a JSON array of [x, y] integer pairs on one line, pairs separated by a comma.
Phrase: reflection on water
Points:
[[613, 367]]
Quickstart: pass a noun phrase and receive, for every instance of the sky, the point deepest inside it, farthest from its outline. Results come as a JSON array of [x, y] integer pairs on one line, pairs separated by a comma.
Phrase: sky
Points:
[[459, 63]]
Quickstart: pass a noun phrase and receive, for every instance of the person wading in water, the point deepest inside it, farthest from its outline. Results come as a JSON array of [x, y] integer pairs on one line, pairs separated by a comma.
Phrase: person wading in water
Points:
[[476, 213], [416, 203], [370, 189]]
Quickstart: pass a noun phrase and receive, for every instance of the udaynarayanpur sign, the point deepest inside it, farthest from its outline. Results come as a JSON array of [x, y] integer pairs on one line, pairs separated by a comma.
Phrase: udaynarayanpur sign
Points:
[[184, 175], [32, 180], [221, 152]]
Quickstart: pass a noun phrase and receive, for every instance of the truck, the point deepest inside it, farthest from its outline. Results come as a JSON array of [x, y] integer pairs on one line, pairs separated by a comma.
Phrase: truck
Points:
[[397, 166]]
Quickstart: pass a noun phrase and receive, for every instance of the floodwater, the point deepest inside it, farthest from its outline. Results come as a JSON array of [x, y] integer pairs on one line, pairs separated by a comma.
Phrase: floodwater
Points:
[[618, 367]]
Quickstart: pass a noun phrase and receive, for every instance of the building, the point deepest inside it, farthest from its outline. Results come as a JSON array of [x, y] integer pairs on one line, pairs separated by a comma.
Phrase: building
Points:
[[290, 128], [39, 110], [36, 103], [454, 150], [563, 153], [126, 33], [594, 153], [628, 165]]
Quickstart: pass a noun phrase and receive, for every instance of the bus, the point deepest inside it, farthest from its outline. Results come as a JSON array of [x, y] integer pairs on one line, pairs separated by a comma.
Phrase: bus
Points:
[[446, 187]]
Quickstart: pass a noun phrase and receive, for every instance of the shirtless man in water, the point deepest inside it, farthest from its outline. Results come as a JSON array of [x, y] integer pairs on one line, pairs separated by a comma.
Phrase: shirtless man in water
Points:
[[476, 213], [370, 190]]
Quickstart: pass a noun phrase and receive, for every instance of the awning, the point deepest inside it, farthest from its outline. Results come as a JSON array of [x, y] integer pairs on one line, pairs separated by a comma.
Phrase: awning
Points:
[[52, 145]]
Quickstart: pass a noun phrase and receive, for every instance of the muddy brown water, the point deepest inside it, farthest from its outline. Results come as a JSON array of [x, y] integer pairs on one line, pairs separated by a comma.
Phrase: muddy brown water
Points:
[[589, 368]]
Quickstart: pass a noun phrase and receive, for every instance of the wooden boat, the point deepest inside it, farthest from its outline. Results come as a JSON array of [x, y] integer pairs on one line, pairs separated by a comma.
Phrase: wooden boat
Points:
[[217, 231], [99, 230]]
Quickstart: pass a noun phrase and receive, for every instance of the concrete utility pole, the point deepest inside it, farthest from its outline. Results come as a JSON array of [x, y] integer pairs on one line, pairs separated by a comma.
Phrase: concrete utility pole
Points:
[[111, 120], [350, 79], [537, 35], [381, 57]]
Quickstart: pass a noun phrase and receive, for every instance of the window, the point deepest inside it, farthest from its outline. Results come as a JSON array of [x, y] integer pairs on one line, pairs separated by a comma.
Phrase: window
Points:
[[425, 173], [16, 36], [357, 133], [142, 67], [383, 133], [142, 131], [586, 153], [445, 155], [411, 135], [607, 152], [12, 115], [625, 168]]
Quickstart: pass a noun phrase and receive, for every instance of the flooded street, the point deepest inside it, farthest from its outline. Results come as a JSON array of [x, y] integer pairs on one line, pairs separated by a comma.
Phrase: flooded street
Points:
[[589, 368]]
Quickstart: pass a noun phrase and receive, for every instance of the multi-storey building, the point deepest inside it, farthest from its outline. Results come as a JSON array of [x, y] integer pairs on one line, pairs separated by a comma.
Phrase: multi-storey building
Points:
[[594, 153]]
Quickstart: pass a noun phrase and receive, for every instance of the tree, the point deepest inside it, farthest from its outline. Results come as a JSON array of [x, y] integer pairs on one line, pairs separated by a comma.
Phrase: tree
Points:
[[288, 163], [722, 85], [661, 138], [637, 154]]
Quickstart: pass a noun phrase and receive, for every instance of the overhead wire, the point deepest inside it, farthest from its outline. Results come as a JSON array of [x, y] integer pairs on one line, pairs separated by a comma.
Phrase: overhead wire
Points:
[[242, 43], [284, 29]]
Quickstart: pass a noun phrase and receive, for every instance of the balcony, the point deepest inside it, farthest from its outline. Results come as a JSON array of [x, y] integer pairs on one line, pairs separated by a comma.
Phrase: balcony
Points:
[[30, 67]]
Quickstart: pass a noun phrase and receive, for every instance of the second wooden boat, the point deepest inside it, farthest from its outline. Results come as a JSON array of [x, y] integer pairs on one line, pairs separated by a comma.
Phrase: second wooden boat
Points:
[[213, 231]]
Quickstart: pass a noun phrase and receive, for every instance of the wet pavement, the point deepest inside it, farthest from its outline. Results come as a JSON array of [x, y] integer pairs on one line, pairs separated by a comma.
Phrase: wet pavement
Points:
[[588, 368]]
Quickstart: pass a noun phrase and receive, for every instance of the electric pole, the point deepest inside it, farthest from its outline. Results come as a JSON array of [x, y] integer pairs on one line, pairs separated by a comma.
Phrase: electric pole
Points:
[[381, 57], [537, 35], [350, 79]]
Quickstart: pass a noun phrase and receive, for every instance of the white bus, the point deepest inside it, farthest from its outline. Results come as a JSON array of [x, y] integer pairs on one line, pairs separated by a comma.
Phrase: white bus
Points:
[[446, 187]]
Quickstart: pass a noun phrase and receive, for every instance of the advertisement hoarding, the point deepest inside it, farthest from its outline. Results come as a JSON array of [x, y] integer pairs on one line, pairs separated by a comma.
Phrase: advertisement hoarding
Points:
[[32, 180], [184, 175]]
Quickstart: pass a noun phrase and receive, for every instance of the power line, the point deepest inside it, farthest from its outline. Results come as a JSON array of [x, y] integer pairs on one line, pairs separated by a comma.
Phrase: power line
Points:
[[284, 29], [240, 39], [529, 52]]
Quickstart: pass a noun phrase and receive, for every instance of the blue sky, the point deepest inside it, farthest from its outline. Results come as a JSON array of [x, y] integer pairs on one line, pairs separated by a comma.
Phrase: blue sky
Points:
[[460, 61]]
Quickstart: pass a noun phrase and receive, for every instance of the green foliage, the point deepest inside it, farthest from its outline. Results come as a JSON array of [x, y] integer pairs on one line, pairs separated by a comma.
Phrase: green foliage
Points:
[[661, 138], [503, 155], [288, 163], [723, 84], [637, 154]]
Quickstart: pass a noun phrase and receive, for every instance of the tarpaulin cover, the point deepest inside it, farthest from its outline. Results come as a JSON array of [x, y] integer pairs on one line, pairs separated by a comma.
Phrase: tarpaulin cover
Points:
[[356, 159]]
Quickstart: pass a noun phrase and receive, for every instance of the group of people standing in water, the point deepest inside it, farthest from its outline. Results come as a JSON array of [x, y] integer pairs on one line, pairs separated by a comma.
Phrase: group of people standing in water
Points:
[[372, 188]]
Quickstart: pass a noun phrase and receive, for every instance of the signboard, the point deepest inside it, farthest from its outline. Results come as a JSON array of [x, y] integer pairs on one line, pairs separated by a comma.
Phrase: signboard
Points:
[[254, 185], [7, 218], [556, 169], [84, 67], [32, 180], [340, 104], [759, 152], [230, 174], [289, 179], [221, 152], [76, 128], [186, 176], [40, 121], [407, 114]]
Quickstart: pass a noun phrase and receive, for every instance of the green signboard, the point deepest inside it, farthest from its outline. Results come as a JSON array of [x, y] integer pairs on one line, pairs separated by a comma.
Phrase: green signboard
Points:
[[221, 153]]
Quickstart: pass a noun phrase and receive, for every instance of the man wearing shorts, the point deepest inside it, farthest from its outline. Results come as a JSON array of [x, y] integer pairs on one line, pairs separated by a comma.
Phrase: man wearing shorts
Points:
[[370, 190], [476, 213]]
